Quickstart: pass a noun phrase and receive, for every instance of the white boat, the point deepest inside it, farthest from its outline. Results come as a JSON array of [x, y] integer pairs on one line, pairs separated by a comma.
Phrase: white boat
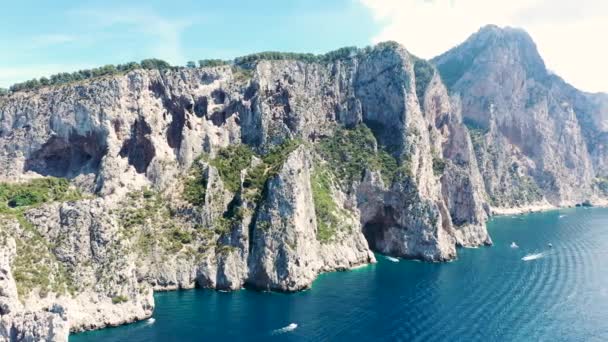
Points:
[[534, 256], [514, 245], [390, 258], [550, 245], [290, 327]]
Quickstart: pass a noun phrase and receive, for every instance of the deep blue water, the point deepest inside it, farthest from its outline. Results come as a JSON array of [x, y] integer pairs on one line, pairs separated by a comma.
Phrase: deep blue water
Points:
[[488, 294]]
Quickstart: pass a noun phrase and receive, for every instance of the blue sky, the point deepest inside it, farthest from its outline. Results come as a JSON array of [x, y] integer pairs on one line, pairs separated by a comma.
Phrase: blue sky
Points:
[[42, 37], [39, 38]]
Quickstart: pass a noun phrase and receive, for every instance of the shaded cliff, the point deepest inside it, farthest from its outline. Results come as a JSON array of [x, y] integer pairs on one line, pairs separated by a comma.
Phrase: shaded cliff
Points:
[[536, 137]]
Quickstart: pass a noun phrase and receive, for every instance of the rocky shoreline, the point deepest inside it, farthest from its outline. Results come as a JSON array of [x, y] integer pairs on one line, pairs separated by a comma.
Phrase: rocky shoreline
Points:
[[535, 208]]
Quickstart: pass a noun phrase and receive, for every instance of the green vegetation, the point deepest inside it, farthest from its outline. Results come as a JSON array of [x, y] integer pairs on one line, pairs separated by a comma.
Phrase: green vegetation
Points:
[[230, 161], [153, 63], [65, 78], [119, 299], [325, 207], [521, 189], [35, 192], [455, 67], [477, 134], [149, 222], [35, 266], [195, 185], [424, 72], [332, 56], [351, 151], [525, 190], [207, 63], [241, 65], [438, 165], [242, 74], [342, 53], [182, 236], [277, 155], [270, 166]]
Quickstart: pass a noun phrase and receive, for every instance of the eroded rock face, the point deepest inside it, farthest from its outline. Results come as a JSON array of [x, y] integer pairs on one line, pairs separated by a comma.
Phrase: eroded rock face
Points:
[[537, 138], [17, 324], [142, 144], [284, 243]]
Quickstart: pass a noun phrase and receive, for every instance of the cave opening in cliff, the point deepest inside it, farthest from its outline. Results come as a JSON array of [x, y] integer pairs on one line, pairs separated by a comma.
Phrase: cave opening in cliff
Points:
[[374, 230], [139, 149], [67, 158]]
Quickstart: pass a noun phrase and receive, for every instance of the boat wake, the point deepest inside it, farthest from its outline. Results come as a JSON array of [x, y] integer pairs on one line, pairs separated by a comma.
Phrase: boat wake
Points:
[[390, 258], [290, 327], [534, 256], [562, 216], [150, 321]]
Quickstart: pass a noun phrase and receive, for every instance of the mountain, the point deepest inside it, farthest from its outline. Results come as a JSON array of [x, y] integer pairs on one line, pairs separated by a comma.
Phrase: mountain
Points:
[[273, 169], [536, 137]]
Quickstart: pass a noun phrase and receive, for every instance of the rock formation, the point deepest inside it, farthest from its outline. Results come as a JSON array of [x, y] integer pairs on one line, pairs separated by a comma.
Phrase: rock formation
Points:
[[267, 173], [537, 139]]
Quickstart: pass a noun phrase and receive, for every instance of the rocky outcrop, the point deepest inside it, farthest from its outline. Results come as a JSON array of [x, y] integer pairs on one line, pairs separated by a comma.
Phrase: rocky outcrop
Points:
[[242, 175], [537, 138], [17, 324]]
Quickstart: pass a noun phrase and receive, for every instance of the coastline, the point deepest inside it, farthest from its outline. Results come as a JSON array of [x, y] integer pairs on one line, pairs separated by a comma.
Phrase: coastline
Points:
[[495, 211], [542, 207]]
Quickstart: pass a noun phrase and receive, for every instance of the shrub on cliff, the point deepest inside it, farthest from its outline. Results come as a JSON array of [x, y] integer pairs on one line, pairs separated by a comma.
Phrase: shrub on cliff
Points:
[[195, 185], [35, 192], [351, 151]]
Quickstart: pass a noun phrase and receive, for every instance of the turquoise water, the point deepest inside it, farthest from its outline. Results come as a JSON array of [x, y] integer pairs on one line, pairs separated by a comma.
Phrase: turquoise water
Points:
[[488, 294]]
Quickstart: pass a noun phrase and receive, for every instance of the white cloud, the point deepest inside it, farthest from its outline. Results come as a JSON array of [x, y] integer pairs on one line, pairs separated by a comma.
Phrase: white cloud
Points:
[[569, 34]]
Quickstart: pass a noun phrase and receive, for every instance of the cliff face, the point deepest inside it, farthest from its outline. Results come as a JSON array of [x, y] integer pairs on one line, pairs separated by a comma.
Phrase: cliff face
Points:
[[537, 139], [266, 176]]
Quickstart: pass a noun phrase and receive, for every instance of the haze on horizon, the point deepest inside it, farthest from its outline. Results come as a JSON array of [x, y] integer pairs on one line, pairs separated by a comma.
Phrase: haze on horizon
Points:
[[68, 35]]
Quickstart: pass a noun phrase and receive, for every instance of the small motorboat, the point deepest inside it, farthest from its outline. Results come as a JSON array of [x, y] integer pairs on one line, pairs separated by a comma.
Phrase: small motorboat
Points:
[[390, 258], [514, 245], [550, 245]]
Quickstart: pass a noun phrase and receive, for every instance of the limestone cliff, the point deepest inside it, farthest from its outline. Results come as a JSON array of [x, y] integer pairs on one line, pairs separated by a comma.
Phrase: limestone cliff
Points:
[[537, 139], [267, 173]]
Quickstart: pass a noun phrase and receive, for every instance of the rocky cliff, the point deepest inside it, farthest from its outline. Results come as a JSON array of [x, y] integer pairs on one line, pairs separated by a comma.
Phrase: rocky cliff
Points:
[[537, 139], [267, 173]]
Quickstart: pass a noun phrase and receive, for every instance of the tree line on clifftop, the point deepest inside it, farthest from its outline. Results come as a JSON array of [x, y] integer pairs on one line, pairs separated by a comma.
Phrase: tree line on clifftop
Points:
[[158, 64]]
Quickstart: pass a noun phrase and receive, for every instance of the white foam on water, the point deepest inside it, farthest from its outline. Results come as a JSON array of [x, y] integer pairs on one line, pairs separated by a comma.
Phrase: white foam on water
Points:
[[562, 216], [150, 321], [514, 245], [534, 256], [390, 258], [359, 267], [290, 327]]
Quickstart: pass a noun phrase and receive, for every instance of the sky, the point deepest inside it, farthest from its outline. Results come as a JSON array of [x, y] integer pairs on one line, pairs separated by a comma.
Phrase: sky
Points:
[[39, 38]]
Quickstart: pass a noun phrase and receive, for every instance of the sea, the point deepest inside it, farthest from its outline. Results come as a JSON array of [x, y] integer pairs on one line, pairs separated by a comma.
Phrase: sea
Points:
[[544, 279]]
